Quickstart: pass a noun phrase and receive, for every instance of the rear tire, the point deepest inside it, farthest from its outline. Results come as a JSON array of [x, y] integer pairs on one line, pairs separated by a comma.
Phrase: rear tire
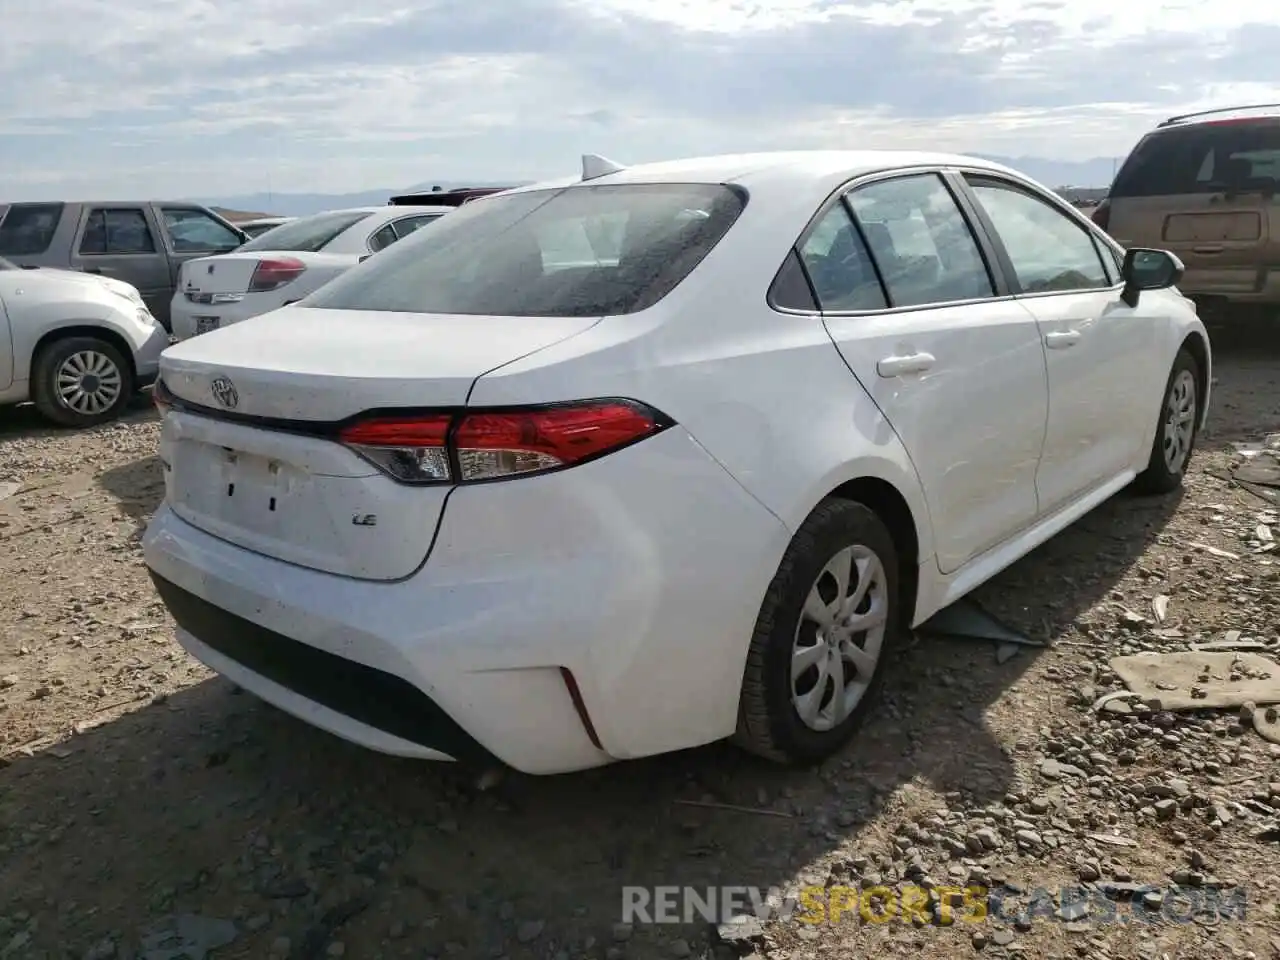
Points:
[[815, 665], [1176, 429], [81, 382]]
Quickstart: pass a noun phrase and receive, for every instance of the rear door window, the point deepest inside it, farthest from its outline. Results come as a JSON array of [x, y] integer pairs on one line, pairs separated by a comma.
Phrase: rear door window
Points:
[[572, 252], [1205, 158], [115, 231], [839, 266], [921, 241], [409, 225], [383, 238], [27, 229]]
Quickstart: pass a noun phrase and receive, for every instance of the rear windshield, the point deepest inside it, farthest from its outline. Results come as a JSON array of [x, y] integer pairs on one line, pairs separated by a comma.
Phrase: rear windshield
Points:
[[574, 252], [306, 233], [27, 229], [1234, 157]]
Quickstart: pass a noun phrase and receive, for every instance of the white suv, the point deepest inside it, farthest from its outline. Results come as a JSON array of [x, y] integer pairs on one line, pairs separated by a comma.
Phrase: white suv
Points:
[[78, 345], [599, 469]]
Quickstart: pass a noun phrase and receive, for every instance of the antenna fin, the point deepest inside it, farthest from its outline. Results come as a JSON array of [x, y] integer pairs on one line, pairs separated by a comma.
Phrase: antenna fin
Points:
[[594, 166]]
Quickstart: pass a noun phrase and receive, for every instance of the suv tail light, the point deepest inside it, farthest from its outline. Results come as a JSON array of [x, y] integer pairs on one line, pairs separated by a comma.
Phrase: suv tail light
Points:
[[275, 273], [1102, 214], [476, 445]]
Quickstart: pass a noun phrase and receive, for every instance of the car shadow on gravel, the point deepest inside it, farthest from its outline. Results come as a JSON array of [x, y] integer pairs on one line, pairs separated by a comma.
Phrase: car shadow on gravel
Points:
[[213, 803], [137, 486]]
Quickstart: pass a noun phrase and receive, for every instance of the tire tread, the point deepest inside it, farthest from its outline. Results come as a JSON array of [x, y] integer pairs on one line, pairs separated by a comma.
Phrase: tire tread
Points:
[[756, 732]]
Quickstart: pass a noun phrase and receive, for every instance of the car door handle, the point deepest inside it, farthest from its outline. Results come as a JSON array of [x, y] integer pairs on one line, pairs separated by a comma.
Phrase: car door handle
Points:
[[97, 270], [1061, 339], [913, 363], [1206, 251]]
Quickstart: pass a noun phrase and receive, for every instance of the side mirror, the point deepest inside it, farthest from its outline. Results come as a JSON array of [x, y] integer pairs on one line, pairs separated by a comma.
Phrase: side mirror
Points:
[[1146, 269]]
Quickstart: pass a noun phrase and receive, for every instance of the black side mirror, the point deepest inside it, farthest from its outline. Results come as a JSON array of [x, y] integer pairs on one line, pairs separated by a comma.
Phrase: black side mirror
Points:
[[1146, 269]]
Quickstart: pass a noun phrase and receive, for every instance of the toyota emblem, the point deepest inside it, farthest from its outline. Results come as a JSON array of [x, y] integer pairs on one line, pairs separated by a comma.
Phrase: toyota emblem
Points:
[[224, 391]]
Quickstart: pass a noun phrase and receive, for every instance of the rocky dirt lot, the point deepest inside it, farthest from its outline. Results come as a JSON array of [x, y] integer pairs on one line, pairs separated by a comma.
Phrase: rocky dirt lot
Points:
[[145, 804]]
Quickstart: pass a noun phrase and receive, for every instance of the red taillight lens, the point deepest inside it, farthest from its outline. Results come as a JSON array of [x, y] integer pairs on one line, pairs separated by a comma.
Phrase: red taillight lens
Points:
[[493, 444], [275, 273], [1102, 214], [500, 444], [409, 449]]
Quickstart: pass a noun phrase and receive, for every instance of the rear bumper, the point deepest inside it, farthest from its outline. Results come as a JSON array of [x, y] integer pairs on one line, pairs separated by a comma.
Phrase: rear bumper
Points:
[[183, 313], [386, 708], [1245, 285], [641, 574]]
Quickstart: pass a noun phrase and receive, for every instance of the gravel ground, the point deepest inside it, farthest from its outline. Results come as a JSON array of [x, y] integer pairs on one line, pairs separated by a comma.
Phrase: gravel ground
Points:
[[136, 788]]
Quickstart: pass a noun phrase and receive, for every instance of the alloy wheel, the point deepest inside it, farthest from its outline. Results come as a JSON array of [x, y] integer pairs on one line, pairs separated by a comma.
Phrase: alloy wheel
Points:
[[839, 638]]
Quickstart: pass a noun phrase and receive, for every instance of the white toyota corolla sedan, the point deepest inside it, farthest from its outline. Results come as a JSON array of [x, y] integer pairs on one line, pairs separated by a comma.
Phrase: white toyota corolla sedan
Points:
[[626, 463]]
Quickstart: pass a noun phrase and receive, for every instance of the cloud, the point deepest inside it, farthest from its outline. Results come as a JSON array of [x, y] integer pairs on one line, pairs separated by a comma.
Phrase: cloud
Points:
[[116, 97]]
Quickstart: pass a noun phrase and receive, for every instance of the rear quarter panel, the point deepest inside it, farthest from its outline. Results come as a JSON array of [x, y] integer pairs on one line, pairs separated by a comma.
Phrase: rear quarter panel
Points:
[[766, 394]]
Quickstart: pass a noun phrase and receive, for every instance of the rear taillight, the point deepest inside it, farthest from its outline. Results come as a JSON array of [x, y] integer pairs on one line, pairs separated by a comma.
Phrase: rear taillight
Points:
[[1102, 214], [495, 444], [274, 273]]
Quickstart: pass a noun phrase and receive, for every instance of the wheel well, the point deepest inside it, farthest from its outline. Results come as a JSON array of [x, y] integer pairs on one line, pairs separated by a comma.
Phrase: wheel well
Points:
[[1194, 345], [100, 333], [889, 505]]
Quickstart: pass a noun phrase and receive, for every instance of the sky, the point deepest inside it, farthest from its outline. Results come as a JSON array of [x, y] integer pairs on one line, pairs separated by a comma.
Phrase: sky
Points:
[[115, 98]]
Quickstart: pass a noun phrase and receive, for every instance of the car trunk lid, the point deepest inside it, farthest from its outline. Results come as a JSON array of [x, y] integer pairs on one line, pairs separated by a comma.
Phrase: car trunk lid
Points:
[[250, 450]]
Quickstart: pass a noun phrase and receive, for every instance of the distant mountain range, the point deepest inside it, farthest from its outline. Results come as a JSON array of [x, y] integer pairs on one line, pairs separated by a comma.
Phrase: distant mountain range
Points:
[[1076, 179]]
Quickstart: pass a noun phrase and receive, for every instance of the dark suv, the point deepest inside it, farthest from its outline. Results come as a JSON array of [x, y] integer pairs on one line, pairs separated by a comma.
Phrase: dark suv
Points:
[[1203, 186]]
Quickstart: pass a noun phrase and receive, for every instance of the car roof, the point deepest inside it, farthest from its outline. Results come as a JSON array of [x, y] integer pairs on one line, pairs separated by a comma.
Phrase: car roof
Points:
[[813, 172], [807, 170], [1245, 113]]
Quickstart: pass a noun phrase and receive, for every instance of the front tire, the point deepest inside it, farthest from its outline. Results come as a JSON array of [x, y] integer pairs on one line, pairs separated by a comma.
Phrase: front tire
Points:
[[828, 623], [1176, 429], [81, 382]]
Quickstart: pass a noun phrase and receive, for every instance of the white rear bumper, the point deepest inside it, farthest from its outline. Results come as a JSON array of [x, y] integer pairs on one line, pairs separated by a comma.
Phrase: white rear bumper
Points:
[[641, 574]]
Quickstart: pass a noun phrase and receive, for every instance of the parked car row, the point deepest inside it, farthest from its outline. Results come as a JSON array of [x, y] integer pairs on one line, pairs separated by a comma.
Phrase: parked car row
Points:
[[143, 244], [285, 263], [182, 268], [709, 434]]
